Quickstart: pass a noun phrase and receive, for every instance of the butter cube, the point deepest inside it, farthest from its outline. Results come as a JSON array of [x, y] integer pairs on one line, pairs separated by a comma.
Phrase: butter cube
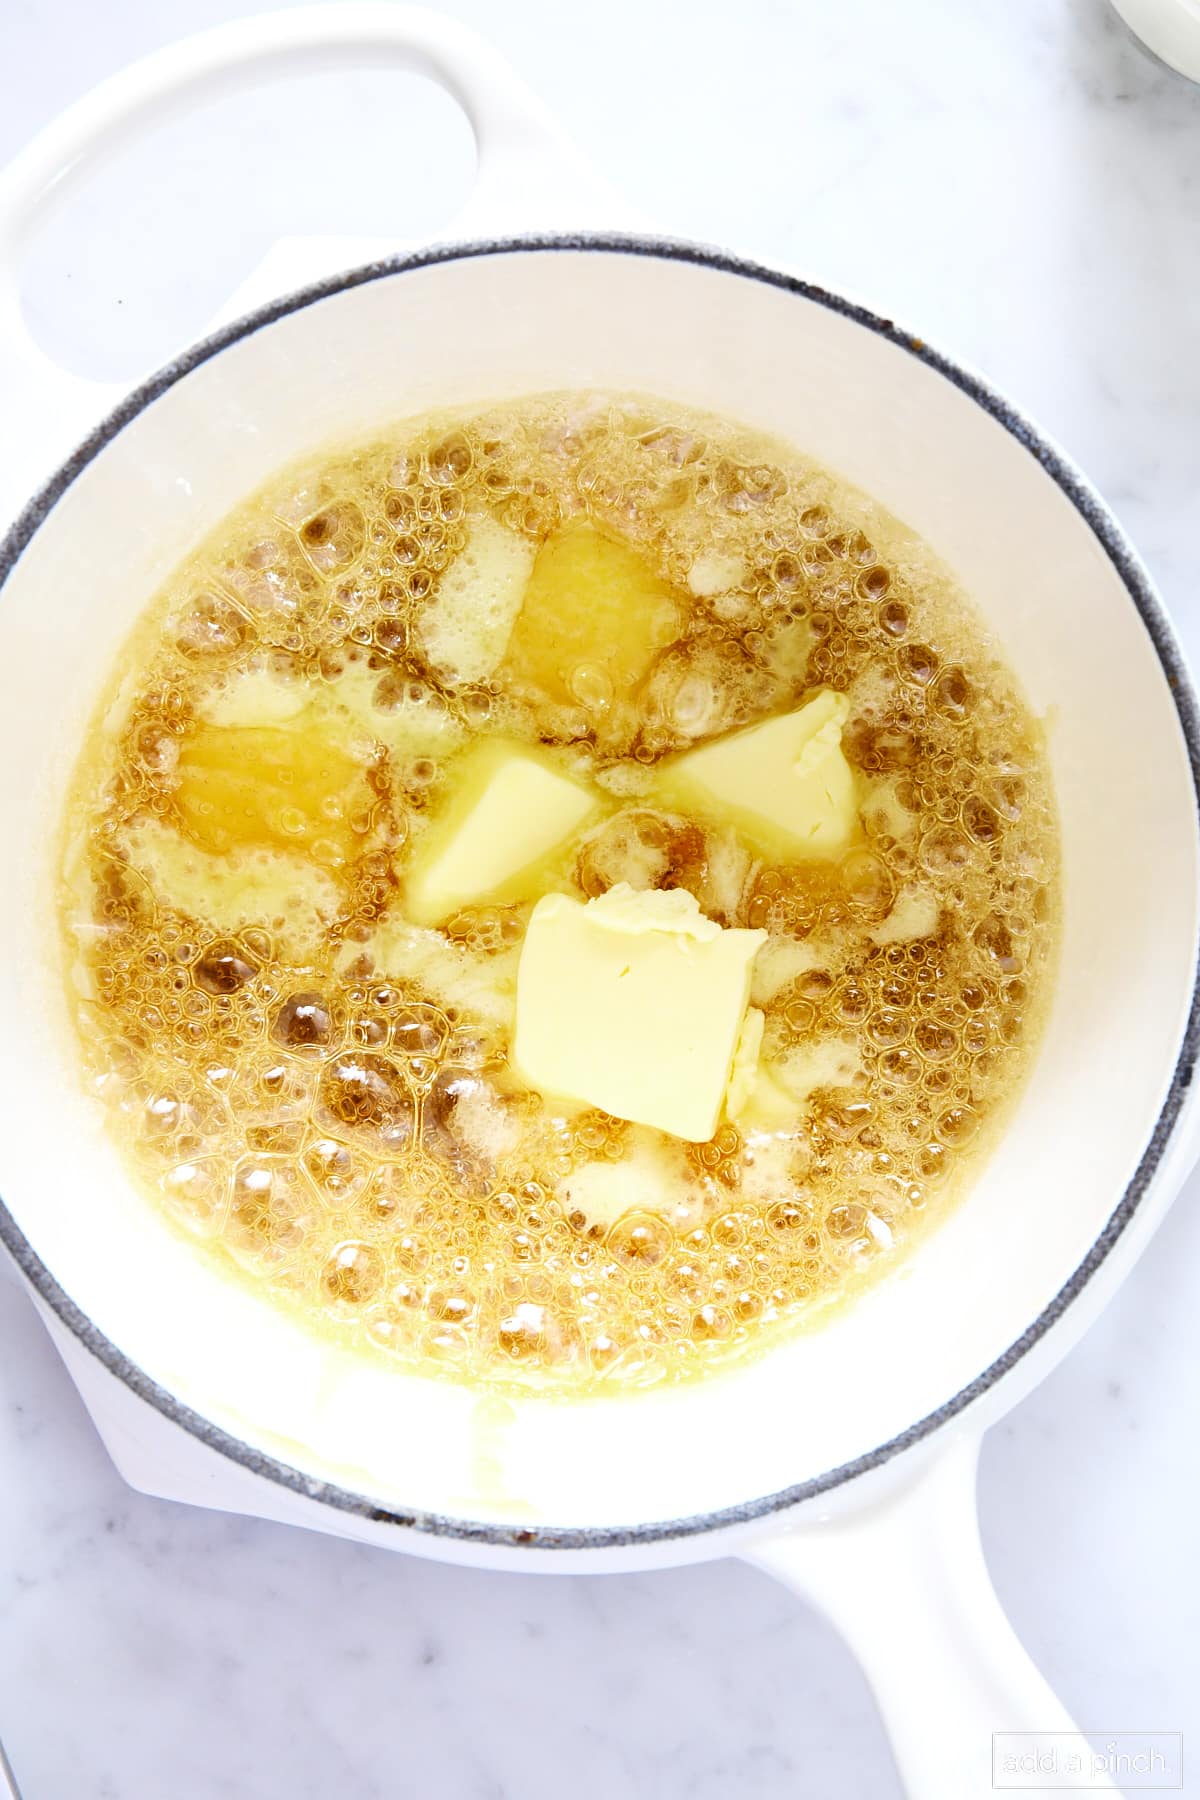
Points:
[[281, 787], [786, 782], [633, 1002], [508, 809], [593, 618]]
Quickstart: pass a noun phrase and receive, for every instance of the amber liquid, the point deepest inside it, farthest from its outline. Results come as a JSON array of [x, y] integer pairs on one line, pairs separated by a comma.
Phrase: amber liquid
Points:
[[320, 1092]]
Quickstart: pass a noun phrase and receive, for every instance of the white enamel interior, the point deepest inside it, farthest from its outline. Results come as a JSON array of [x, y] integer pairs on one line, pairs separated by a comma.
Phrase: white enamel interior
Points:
[[474, 330]]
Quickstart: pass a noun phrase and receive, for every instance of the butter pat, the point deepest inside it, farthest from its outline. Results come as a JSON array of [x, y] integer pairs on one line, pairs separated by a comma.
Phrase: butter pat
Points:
[[786, 782], [594, 616], [508, 810], [633, 1002]]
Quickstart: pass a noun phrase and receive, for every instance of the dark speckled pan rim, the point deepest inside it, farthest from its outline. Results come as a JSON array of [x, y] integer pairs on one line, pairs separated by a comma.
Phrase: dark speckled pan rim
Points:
[[1094, 514]]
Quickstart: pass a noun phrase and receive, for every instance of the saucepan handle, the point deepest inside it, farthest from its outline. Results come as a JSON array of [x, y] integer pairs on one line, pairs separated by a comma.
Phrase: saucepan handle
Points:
[[529, 177], [906, 1584]]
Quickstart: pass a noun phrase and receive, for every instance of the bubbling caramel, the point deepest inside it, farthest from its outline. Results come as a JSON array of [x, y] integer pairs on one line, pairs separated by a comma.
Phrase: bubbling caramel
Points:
[[320, 1092]]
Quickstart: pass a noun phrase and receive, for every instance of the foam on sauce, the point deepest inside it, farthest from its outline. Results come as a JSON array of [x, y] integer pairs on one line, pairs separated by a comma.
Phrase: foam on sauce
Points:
[[320, 1091]]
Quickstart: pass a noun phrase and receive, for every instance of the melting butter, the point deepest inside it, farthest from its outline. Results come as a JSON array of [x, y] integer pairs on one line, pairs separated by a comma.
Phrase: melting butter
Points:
[[633, 1002], [786, 782], [509, 809]]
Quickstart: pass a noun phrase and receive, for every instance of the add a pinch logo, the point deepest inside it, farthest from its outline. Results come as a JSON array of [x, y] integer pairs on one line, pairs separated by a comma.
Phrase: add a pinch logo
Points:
[[1069, 1761]]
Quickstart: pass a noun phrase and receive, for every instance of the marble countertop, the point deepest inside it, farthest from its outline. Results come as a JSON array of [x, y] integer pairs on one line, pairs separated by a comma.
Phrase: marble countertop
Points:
[[1020, 183]]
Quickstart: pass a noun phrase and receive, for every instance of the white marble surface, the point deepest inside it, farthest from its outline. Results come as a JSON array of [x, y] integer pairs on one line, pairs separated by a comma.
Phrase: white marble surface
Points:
[[1019, 183]]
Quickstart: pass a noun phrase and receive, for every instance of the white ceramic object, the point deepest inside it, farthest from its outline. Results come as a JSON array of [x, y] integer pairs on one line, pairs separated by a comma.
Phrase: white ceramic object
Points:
[[844, 1461], [1170, 30]]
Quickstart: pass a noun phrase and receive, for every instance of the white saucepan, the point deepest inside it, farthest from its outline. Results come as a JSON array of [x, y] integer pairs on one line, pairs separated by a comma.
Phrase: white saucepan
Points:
[[843, 1461]]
